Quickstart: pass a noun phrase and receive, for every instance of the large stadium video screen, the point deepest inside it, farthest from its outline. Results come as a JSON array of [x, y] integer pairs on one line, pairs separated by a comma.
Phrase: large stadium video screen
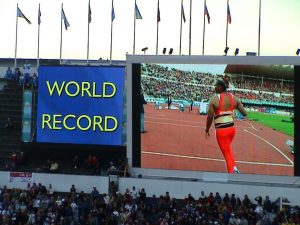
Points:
[[176, 101], [80, 105]]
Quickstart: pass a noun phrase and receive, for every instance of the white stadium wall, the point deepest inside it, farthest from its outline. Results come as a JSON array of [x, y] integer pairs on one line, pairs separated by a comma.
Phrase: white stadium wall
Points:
[[60, 182], [180, 189]]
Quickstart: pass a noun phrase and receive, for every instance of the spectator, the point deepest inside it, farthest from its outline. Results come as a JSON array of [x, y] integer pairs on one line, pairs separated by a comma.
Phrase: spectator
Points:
[[21, 159], [26, 70], [142, 103], [95, 193], [73, 189], [8, 74], [33, 81], [8, 124], [134, 193], [50, 190], [267, 204], [54, 166], [75, 163], [22, 80]]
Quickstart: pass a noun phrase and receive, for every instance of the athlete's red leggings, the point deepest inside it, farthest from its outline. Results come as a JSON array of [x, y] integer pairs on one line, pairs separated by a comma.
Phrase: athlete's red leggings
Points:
[[224, 138]]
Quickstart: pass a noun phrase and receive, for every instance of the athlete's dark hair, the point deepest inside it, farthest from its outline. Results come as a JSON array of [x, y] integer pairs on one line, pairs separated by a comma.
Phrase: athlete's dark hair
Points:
[[222, 84]]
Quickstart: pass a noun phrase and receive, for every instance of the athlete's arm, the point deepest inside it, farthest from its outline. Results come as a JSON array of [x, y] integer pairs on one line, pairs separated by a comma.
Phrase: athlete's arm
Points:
[[210, 116], [240, 107]]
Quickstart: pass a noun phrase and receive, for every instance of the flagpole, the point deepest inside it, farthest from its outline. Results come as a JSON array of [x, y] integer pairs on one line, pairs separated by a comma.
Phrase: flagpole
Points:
[[203, 28], [134, 24], [88, 36], [111, 30], [16, 43], [38, 50], [259, 27], [180, 39], [60, 61], [157, 26], [190, 33], [227, 23]]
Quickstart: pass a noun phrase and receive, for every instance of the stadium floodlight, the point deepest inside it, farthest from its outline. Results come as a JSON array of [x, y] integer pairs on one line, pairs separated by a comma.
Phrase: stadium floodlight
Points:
[[298, 51], [226, 50], [164, 51], [171, 51], [237, 50], [251, 53], [144, 50]]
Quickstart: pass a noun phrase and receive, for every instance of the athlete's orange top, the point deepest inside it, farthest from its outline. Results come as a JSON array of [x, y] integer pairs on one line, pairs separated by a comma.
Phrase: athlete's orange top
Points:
[[224, 118]]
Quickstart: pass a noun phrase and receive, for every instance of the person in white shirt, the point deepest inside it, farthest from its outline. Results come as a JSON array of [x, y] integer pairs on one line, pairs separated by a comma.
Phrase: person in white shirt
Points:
[[134, 193], [50, 190]]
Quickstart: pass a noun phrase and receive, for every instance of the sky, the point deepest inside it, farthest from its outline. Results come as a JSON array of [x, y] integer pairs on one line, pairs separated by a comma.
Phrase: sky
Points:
[[280, 23]]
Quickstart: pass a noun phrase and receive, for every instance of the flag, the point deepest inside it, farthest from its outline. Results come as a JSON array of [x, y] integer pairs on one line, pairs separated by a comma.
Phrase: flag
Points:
[[90, 13], [39, 16], [63, 17], [182, 13], [228, 15], [113, 12], [138, 14], [21, 15], [207, 14], [158, 14]]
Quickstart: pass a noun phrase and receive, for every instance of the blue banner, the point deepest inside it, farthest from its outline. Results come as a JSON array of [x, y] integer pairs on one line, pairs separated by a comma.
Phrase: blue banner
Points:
[[80, 105]]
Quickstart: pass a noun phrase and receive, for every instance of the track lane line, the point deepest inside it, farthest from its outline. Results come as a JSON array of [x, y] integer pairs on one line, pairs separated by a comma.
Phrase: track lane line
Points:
[[217, 160], [269, 143]]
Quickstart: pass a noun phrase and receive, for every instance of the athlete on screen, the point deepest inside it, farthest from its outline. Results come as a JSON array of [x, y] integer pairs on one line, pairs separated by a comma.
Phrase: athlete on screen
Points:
[[220, 110]]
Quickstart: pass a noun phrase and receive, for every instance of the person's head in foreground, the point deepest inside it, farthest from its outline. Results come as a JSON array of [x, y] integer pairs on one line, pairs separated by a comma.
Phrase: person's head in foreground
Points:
[[221, 86]]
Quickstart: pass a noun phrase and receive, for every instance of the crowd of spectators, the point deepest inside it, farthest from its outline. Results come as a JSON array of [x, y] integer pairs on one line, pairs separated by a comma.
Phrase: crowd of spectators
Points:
[[24, 77], [15, 159], [159, 81], [44, 206]]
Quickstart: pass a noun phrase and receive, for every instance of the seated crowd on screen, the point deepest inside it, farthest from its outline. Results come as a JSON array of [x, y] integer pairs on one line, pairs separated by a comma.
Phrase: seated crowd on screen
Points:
[[43, 205], [158, 81]]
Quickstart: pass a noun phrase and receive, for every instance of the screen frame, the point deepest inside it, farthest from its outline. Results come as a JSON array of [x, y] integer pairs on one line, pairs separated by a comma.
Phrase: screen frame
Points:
[[133, 64]]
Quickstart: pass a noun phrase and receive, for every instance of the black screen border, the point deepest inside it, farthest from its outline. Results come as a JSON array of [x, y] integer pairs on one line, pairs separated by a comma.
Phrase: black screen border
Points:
[[136, 124]]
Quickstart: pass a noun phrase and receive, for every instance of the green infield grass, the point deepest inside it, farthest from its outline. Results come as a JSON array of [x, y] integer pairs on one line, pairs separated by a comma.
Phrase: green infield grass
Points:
[[273, 121]]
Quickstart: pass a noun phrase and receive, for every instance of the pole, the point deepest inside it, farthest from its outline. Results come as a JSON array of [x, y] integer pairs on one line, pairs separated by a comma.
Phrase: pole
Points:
[[88, 37], [180, 39], [157, 27], [16, 43], [61, 35], [203, 43], [259, 27], [134, 24], [111, 30], [190, 33], [227, 23], [38, 50]]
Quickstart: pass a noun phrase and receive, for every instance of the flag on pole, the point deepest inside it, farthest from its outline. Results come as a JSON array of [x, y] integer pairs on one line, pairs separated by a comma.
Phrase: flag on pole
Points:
[[138, 14], [182, 13], [158, 14], [21, 15], [63, 17], [207, 14], [228, 15], [39, 15], [113, 12], [90, 13]]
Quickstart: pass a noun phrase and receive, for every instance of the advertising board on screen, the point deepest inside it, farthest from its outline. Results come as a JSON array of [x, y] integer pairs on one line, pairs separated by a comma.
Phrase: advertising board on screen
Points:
[[179, 99], [80, 105]]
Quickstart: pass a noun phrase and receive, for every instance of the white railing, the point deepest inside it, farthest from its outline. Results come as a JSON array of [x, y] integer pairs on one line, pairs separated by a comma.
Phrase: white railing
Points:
[[287, 203]]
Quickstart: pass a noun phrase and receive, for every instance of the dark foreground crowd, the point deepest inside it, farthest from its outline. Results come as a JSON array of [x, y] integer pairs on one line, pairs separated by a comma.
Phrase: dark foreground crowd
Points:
[[43, 206]]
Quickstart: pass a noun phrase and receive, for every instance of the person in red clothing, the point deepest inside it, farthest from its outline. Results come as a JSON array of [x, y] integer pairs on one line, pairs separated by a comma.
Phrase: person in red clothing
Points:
[[220, 110]]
